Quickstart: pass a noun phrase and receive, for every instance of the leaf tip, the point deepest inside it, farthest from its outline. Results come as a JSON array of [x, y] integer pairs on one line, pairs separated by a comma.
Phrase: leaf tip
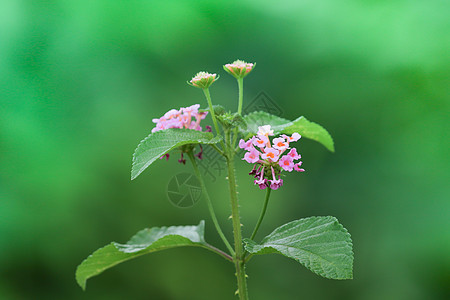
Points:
[[81, 281]]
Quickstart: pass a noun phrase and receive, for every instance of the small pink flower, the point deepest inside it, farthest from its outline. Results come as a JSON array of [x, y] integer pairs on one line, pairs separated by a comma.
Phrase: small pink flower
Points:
[[271, 154], [295, 137], [265, 131], [173, 113], [252, 156], [200, 154], [274, 183], [166, 156], [261, 141], [193, 109], [247, 145], [297, 167], [262, 183], [293, 153], [280, 144], [287, 163]]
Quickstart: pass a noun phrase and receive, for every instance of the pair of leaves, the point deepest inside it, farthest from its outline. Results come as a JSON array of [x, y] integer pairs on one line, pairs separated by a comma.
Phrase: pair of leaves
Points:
[[301, 125], [321, 244]]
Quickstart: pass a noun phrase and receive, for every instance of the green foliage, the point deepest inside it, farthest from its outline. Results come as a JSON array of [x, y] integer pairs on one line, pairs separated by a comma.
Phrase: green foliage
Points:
[[229, 119], [161, 142], [301, 125], [144, 242], [319, 243], [218, 110]]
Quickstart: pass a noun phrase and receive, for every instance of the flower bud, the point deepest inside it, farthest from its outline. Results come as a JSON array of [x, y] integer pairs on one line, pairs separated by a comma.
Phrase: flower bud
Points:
[[203, 80], [239, 68]]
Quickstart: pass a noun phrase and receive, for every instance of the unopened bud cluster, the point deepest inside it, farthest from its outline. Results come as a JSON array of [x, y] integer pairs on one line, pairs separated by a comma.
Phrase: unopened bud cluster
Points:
[[203, 80], [239, 68]]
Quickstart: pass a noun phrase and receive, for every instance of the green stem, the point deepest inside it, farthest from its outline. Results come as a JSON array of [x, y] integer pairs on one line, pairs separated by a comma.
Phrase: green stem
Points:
[[217, 149], [208, 202], [213, 114], [241, 94], [240, 103], [239, 249], [263, 212], [218, 251]]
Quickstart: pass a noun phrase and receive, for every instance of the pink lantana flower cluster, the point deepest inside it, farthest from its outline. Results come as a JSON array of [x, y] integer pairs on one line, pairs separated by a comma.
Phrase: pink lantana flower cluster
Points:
[[187, 118], [182, 118], [271, 158]]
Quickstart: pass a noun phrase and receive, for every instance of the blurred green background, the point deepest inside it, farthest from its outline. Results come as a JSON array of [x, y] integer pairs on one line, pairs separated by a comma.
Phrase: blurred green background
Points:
[[81, 81]]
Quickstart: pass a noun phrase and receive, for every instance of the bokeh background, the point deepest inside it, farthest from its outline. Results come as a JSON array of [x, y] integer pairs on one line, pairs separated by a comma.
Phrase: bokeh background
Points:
[[81, 81]]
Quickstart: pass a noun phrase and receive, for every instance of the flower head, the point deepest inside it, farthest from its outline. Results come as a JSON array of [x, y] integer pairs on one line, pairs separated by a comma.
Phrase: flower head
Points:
[[186, 117], [270, 158], [203, 80], [239, 68]]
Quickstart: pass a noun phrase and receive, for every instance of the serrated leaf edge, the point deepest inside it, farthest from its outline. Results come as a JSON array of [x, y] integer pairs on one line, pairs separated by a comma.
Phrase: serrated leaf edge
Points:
[[213, 140], [289, 124], [334, 220], [201, 225]]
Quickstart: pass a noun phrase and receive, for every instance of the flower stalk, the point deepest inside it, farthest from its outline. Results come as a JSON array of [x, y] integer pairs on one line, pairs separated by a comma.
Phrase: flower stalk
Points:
[[237, 231], [263, 212], [213, 114], [209, 203], [241, 94]]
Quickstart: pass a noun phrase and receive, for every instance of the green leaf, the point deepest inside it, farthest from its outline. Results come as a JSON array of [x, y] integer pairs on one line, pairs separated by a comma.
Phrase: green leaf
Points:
[[144, 242], [321, 244], [160, 142], [218, 110], [301, 125]]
